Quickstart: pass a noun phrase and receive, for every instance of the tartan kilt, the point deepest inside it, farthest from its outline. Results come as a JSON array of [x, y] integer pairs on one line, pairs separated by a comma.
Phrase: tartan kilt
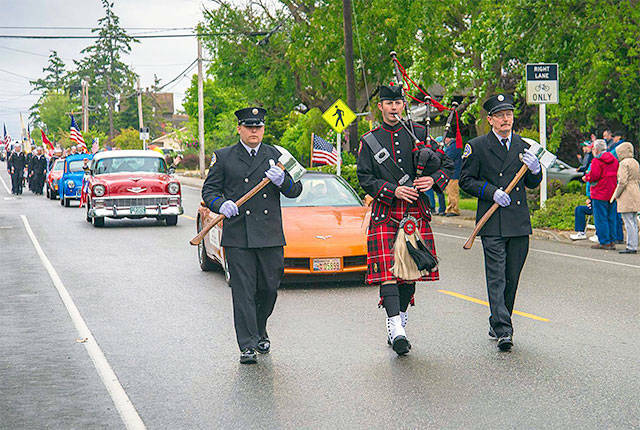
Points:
[[380, 241]]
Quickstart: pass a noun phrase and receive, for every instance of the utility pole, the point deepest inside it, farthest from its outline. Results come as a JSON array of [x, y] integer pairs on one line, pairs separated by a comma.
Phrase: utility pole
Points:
[[85, 106], [200, 109], [110, 102], [140, 119], [352, 130]]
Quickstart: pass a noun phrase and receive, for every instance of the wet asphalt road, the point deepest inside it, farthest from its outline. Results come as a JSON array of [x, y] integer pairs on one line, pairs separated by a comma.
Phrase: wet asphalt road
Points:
[[166, 329]]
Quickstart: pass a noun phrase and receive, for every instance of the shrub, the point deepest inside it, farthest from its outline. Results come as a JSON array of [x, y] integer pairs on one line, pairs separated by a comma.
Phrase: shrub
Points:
[[558, 212], [191, 162]]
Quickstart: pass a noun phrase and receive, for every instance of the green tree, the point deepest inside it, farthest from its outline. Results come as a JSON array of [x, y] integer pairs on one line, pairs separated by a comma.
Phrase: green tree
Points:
[[52, 115], [128, 138], [104, 69]]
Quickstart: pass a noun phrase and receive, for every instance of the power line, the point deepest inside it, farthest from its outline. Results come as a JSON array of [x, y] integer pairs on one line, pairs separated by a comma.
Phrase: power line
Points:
[[150, 36], [89, 28], [31, 53], [18, 75], [179, 75]]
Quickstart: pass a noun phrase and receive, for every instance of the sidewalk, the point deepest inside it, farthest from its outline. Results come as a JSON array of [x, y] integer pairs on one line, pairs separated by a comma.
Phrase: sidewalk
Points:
[[467, 219]]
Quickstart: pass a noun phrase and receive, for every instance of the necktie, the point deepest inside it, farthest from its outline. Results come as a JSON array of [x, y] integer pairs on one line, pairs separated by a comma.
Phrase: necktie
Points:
[[253, 152], [505, 142]]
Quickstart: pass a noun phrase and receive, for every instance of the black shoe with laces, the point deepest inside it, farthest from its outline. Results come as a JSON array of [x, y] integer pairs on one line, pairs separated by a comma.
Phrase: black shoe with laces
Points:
[[505, 343], [264, 345], [248, 356], [492, 334]]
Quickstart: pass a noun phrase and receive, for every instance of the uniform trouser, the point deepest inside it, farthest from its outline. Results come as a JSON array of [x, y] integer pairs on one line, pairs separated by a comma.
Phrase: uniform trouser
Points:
[[453, 192], [255, 275], [16, 182], [631, 225], [504, 258]]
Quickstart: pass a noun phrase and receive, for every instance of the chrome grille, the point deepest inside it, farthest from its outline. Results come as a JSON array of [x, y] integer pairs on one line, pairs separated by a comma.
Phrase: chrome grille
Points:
[[125, 202]]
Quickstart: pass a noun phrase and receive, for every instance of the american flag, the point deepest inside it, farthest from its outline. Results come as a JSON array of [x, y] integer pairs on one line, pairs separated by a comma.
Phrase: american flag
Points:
[[6, 139], [323, 152], [75, 135], [95, 147]]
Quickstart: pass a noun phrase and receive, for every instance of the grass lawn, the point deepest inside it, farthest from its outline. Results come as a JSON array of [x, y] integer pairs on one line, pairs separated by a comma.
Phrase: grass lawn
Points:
[[469, 204]]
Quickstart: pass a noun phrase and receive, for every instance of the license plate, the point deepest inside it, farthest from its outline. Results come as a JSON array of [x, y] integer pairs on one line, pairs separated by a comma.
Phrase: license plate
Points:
[[138, 210], [326, 264]]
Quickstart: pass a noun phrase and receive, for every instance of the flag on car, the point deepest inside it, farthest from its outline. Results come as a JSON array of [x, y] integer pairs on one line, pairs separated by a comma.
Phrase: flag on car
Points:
[[323, 152], [46, 142], [94, 145], [76, 136]]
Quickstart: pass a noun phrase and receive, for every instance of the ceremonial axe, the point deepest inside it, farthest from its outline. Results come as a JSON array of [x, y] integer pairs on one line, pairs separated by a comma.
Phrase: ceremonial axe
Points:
[[286, 162], [546, 159]]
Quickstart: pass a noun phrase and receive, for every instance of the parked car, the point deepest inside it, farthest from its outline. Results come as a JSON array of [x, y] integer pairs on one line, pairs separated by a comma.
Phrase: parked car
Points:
[[325, 229], [131, 184], [71, 181], [53, 179], [560, 171]]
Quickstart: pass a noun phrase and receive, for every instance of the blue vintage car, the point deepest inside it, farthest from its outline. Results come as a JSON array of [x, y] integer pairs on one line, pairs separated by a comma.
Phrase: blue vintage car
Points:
[[70, 185]]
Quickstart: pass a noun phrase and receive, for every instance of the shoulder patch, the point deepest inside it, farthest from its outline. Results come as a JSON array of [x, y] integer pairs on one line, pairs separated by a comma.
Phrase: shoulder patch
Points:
[[467, 151], [213, 159]]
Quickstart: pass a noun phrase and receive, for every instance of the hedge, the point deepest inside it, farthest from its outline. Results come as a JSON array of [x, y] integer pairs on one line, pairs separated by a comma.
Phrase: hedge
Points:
[[558, 212]]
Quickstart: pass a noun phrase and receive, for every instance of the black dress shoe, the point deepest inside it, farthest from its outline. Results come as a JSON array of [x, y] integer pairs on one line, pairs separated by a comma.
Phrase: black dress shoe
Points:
[[505, 343], [628, 251], [401, 345], [451, 214], [492, 334], [264, 345], [440, 213], [248, 356]]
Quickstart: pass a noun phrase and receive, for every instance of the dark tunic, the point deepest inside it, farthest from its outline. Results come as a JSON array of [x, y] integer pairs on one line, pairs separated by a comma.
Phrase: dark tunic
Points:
[[387, 210]]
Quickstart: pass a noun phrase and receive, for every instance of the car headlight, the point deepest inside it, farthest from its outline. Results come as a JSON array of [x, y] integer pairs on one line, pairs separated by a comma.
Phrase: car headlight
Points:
[[99, 190], [71, 184], [173, 188]]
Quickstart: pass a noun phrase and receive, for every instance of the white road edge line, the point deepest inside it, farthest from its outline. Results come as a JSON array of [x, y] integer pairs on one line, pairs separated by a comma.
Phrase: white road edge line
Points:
[[5, 185], [122, 402], [560, 254]]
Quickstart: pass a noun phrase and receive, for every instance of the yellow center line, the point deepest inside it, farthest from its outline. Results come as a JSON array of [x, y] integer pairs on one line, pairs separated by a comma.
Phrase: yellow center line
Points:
[[482, 302], [189, 217]]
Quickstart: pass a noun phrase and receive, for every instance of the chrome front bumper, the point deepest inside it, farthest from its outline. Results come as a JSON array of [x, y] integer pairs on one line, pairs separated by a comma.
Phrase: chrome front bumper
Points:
[[156, 206]]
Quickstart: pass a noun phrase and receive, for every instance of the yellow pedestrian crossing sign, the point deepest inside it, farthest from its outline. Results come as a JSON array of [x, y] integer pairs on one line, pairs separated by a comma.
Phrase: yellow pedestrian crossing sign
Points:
[[339, 116]]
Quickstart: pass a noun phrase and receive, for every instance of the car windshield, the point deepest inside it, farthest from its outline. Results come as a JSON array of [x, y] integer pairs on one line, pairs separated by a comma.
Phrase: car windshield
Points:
[[321, 190], [75, 165], [58, 166], [130, 164]]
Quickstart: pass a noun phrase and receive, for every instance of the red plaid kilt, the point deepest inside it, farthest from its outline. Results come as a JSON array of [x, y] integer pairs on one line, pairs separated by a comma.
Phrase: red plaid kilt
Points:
[[380, 241]]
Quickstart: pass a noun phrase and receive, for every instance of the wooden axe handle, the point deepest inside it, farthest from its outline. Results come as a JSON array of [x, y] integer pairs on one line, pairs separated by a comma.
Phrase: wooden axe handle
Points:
[[469, 243], [215, 220]]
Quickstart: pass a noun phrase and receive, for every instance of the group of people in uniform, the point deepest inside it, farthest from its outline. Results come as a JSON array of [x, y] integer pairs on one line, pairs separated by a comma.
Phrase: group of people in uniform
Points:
[[397, 163], [31, 167]]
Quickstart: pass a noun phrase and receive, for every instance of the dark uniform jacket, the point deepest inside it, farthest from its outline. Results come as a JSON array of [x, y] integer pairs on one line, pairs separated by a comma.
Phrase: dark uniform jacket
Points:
[[17, 162], [232, 174], [486, 167], [39, 165], [378, 182]]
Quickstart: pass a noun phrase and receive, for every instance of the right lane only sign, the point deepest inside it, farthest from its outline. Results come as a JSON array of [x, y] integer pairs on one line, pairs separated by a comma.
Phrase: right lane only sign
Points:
[[542, 83]]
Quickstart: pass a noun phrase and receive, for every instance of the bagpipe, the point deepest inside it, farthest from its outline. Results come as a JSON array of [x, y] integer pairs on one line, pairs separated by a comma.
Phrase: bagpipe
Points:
[[412, 257], [428, 155]]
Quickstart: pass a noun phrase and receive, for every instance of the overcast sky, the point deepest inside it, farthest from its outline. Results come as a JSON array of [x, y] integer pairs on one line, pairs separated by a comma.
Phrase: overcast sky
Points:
[[164, 57]]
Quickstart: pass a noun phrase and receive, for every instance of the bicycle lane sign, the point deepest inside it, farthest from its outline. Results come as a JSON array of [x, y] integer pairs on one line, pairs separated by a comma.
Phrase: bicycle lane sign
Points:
[[542, 83]]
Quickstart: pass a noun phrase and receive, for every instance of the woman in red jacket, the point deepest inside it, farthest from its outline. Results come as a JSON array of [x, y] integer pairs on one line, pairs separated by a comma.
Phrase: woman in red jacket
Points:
[[603, 179]]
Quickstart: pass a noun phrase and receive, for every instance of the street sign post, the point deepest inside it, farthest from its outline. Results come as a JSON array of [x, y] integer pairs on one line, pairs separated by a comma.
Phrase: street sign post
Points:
[[339, 116], [542, 89], [144, 136]]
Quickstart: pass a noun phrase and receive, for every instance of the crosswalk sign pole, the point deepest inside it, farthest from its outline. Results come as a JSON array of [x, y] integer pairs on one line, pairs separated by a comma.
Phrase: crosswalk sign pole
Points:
[[339, 149]]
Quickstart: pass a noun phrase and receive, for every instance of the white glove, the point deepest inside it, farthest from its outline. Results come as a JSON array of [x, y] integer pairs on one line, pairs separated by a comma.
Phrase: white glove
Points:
[[501, 198], [275, 174], [228, 209], [531, 161]]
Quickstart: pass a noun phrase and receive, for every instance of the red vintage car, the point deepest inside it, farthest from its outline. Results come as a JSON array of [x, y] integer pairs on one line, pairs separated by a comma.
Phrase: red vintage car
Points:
[[130, 184], [53, 176]]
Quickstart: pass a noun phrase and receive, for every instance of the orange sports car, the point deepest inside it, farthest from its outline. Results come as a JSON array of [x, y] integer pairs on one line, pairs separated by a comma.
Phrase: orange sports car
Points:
[[325, 229]]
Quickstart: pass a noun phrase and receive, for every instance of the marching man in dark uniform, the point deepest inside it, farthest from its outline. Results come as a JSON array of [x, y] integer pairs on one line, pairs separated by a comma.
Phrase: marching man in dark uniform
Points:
[[397, 208], [17, 162], [39, 162], [252, 236], [489, 164]]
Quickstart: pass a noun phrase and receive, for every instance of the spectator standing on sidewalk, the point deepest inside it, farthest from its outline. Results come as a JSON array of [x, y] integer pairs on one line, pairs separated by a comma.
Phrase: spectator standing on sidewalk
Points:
[[587, 156], [627, 195], [603, 179], [453, 190]]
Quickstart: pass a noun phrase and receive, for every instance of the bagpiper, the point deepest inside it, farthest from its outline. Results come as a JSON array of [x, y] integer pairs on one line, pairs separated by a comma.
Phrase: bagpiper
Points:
[[396, 171]]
